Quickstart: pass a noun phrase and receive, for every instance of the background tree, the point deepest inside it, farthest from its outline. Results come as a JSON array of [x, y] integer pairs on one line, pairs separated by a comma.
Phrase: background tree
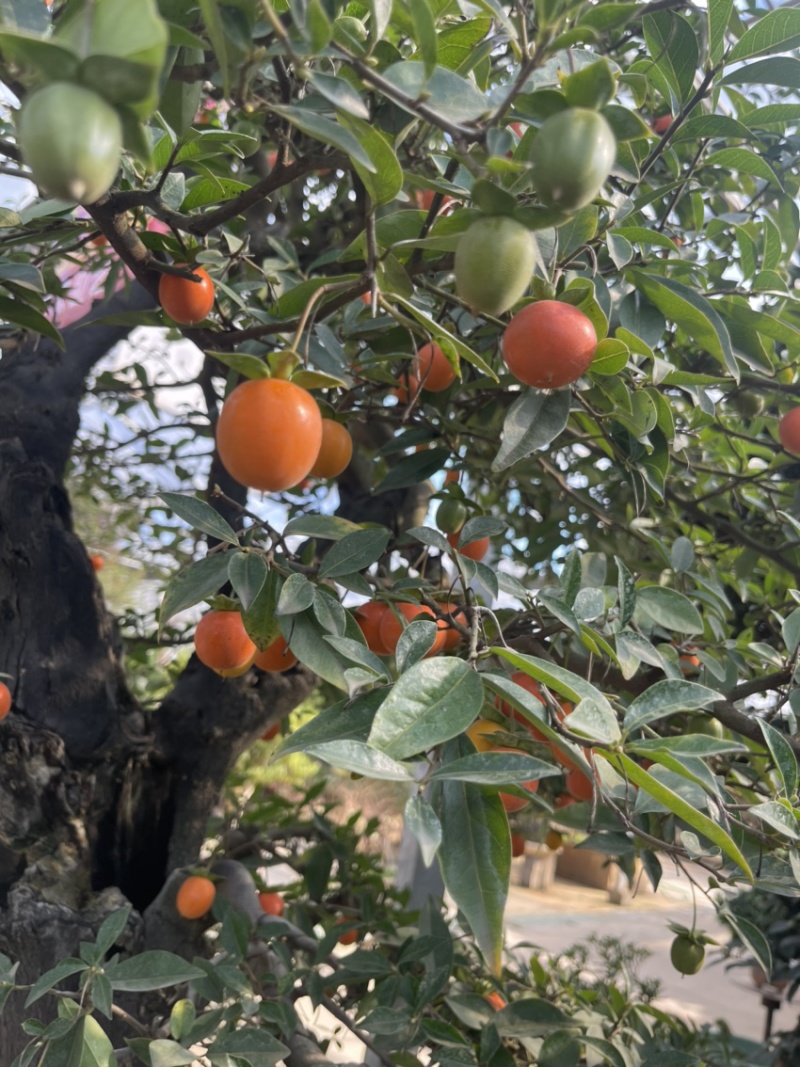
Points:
[[578, 220]]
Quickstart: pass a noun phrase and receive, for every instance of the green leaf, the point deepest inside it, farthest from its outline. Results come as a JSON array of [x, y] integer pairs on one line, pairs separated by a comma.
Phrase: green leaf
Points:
[[594, 721], [533, 421], [355, 552], [340, 93], [752, 936], [665, 698], [530, 1017], [323, 527], [423, 822], [212, 20], [495, 768], [111, 929], [691, 311], [259, 618], [781, 70], [247, 572], [306, 638], [211, 191], [451, 96], [475, 858], [782, 819], [592, 86], [348, 720], [317, 29], [424, 33], [384, 179], [777, 31], [561, 681], [669, 609], [86, 1045], [165, 1053], [24, 315], [672, 44], [297, 594], [199, 581], [150, 970], [413, 469], [744, 161], [200, 516], [447, 340], [680, 807], [430, 703], [51, 978], [256, 1046], [719, 15], [322, 129], [361, 758], [784, 757]]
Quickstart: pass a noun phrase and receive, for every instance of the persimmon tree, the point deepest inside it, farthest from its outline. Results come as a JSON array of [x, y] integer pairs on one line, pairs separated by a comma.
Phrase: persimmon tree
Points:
[[536, 261]]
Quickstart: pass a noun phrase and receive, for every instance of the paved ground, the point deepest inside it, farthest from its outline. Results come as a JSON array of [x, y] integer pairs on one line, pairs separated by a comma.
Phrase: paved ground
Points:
[[567, 914]]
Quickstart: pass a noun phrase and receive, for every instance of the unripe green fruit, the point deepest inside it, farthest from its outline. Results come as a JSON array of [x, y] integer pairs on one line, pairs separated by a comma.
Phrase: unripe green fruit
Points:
[[705, 724], [451, 516], [572, 156], [72, 141], [494, 263], [748, 405], [351, 33], [686, 955]]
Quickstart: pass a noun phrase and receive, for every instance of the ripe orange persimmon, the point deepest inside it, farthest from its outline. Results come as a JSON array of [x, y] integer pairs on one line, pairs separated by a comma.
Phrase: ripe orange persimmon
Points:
[[97, 562], [335, 450], [517, 845], [496, 1000], [276, 657], [271, 731], [407, 389], [222, 643], [185, 301], [450, 476], [789, 431], [271, 903], [452, 638], [549, 344], [690, 664], [392, 628], [195, 897], [434, 370], [369, 617], [269, 434], [661, 124], [5, 700], [578, 785], [475, 550], [481, 733], [349, 937]]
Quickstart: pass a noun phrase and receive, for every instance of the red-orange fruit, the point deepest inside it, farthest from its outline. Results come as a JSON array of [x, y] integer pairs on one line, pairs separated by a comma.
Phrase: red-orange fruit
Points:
[[549, 344], [5, 700], [97, 562], [789, 431], [222, 643], [433, 369], [578, 785], [276, 657], [369, 617], [392, 628], [185, 301], [517, 845], [475, 550], [195, 897], [349, 937], [271, 731], [269, 434], [271, 903], [407, 389], [335, 451], [661, 124]]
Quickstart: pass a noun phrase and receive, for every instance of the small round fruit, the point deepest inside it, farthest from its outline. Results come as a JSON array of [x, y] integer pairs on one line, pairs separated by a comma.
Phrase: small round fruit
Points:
[[689, 664], [749, 405], [475, 550], [349, 937], [195, 897], [271, 732], [554, 840], [513, 803], [433, 369], [72, 141], [686, 954], [222, 643], [335, 452], [481, 734], [269, 434], [789, 431], [517, 845], [97, 562], [578, 785], [496, 1000], [572, 155], [369, 617], [271, 903], [392, 629], [705, 724], [186, 302], [661, 124], [549, 344], [5, 700], [407, 390], [494, 263], [276, 657], [450, 516]]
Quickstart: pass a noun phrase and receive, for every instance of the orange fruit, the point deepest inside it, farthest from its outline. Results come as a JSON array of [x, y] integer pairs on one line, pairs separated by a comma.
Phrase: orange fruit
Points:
[[405, 393], [195, 897], [554, 840], [578, 785], [97, 562], [689, 664], [475, 550], [222, 643], [450, 476], [335, 451], [369, 617], [423, 198], [5, 700], [511, 802], [549, 344], [271, 903], [480, 733], [99, 240], [433, 369], [517, 845], [349, 937], [269, 434], [496, 1000], [452, 638], [186, 302], [789, 431], [271, 731], [494, 263], [661, 124], [276, 657], [392, 628]]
